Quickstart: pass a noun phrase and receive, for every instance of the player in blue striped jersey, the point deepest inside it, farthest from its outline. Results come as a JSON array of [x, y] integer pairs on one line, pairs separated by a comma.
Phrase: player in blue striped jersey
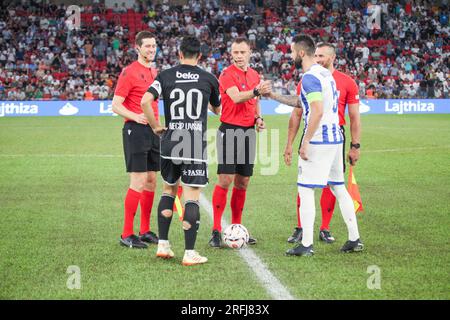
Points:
[[320, 162], [318, 85]]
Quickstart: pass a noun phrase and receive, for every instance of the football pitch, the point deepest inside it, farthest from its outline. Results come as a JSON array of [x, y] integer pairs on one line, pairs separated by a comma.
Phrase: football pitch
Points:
[[63, 181]]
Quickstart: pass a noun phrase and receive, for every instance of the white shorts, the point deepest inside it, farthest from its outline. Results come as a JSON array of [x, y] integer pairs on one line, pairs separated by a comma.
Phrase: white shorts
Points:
[[325, 166]]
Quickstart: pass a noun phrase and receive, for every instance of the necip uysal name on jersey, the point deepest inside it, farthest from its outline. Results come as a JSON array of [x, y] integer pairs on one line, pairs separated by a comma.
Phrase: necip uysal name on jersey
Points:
[[187, 76], [21, 108], [408, 106], [195, 126]]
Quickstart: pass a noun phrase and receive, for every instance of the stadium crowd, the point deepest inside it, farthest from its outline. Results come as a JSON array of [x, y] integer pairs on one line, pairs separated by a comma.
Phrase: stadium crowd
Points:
[[402, 51]]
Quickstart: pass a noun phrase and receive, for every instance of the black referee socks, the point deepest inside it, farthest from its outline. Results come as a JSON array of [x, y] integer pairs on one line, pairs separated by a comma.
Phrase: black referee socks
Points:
[[165, 204], [191, 222]]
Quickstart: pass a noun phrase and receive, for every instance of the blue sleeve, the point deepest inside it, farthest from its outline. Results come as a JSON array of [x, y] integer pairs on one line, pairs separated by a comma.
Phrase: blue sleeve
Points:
[[311, 83]]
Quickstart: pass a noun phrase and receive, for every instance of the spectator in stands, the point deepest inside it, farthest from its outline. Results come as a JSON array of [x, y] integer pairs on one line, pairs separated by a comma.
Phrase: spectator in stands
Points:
[[415, 44]]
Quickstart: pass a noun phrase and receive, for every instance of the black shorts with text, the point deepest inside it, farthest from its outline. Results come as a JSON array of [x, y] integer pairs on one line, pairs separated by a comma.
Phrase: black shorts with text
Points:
[[192, 173]]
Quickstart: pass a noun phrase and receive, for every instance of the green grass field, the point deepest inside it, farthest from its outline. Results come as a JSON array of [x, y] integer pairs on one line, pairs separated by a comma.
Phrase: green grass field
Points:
[[62, 184]]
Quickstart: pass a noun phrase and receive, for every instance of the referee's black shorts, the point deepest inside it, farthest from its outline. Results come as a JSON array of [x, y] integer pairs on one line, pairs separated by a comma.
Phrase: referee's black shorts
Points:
[[236, 149], [141, 147]]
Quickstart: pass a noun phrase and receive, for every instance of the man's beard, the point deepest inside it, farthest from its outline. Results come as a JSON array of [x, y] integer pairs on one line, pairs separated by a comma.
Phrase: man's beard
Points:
[[327, 65], [298, 62]]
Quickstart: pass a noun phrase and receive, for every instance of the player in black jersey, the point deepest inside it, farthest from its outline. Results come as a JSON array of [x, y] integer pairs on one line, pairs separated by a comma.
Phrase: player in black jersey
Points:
[[188, 92]]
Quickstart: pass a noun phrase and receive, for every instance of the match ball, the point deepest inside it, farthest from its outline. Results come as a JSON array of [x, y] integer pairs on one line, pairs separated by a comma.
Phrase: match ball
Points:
[[235, 236]]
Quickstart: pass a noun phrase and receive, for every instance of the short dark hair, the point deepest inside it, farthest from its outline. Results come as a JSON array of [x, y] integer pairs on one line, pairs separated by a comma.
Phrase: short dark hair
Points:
[[306, 43], [326, 44], [143, 35], [239, 40], [190, 47]]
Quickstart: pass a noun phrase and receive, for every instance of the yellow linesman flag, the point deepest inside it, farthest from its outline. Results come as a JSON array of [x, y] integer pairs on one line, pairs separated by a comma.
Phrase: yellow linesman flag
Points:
[[178, 206], [354, 191]]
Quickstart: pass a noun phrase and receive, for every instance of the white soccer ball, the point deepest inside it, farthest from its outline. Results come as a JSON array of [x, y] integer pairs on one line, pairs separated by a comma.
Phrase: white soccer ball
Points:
[[235, 236]]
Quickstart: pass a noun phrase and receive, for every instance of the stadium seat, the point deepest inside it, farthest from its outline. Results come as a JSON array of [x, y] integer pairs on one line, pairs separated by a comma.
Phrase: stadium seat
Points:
[[132, 22]]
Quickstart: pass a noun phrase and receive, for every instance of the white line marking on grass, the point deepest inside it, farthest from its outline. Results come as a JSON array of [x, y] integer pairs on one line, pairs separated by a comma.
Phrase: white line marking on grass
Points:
[[61, 155], [273, 286], [81, 155], [406, 149], [410, 128]]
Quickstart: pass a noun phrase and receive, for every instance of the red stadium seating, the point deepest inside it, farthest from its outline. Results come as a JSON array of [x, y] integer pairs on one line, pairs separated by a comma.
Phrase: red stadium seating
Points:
[[131, 19], [133, 22]]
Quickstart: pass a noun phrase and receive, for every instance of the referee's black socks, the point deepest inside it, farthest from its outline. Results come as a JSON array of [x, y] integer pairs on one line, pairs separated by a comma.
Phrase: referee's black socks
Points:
[[165, 213], [191, 222]]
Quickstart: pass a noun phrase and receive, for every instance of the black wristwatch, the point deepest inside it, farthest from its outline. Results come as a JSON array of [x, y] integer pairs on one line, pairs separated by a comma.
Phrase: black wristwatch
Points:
[[355, 145], [256, 92]]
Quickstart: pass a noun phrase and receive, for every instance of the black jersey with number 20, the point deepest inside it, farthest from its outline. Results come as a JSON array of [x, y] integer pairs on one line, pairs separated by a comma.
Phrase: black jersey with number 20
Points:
[[186, 90]]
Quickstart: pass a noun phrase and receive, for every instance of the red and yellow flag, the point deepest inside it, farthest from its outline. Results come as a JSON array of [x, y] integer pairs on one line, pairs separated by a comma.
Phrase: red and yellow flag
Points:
[[354, 191], [177, 206]]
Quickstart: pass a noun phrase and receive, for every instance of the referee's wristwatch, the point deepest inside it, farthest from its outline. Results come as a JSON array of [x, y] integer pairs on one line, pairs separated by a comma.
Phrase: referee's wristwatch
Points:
[[355, 145], [256, 92]]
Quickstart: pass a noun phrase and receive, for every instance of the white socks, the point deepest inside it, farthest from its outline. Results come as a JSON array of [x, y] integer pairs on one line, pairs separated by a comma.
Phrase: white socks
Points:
[[347, 209], [307, 214]]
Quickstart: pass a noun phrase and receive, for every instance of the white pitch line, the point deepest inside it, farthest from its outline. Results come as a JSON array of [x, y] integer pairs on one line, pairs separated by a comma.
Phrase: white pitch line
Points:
[[406, 149], [81, 155], [61, 155], [273, 286]]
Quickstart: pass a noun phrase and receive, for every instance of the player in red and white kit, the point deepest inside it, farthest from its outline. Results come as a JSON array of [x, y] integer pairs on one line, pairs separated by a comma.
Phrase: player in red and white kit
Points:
[[140, 144], [348, 96]]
